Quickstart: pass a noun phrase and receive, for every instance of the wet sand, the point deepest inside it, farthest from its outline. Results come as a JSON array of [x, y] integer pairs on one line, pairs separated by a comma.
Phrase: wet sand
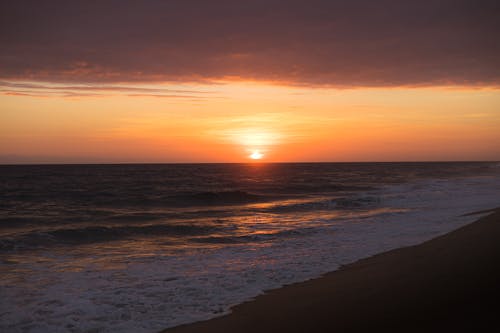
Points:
[[448, 284]]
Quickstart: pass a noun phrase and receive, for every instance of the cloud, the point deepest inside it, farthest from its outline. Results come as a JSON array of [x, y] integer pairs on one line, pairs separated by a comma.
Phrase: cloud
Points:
[[46, 89], [316, 42]]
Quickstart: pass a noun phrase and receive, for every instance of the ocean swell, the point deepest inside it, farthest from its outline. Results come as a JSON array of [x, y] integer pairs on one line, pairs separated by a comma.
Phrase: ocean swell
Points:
[[217, 198], [95, 234]]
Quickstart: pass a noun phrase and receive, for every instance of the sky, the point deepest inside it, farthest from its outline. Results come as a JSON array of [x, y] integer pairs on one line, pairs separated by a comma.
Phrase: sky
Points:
[[237, 81]]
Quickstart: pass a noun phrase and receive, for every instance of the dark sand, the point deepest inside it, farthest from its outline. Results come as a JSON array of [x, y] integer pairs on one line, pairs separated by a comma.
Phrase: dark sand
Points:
[[448, 284]]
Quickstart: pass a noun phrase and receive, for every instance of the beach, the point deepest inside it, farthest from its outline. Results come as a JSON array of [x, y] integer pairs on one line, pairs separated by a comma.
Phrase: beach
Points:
[[449, 283]]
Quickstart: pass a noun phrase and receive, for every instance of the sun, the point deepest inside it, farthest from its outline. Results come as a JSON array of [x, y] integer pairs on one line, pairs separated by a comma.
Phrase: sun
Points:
[[256, 155]]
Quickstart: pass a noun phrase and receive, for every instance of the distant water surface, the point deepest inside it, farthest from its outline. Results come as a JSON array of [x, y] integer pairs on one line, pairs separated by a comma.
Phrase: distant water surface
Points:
[[138, 248]]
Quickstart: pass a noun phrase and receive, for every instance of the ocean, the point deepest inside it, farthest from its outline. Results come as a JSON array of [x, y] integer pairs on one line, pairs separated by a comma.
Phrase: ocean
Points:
[[139, 248]]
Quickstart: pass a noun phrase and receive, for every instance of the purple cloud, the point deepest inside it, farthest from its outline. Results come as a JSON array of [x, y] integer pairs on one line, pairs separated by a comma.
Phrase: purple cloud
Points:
[[340, 43]]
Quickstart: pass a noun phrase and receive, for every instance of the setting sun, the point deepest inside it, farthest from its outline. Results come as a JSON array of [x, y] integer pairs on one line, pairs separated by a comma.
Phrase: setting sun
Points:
[[256, 155]]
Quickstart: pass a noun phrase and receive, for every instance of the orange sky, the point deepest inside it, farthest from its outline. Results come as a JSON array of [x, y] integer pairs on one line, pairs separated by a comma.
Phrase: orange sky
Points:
[[228, 121], [219, 81]]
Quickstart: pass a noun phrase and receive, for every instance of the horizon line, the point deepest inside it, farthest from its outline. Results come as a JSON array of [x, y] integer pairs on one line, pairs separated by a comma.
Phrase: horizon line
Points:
[[250, 162]]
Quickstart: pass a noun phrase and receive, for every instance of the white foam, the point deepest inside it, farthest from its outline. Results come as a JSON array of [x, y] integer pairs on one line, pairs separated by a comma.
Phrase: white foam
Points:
[[159, 289]]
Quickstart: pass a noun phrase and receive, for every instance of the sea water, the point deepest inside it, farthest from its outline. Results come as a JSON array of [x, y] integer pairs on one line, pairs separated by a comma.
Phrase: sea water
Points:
[[139, 248]]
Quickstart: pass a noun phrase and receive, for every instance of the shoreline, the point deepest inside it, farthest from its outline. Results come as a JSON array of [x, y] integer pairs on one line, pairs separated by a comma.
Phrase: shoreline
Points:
[[446, 283]]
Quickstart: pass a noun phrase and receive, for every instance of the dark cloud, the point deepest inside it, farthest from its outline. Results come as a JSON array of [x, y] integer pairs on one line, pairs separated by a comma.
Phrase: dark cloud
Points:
[[341, 43]]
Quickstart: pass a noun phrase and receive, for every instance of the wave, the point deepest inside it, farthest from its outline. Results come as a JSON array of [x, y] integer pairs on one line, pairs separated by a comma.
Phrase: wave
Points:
[[95, 234], [342, 203], [325, 188], [357, 202], [217, 198], [15, 221], [261, 237]]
